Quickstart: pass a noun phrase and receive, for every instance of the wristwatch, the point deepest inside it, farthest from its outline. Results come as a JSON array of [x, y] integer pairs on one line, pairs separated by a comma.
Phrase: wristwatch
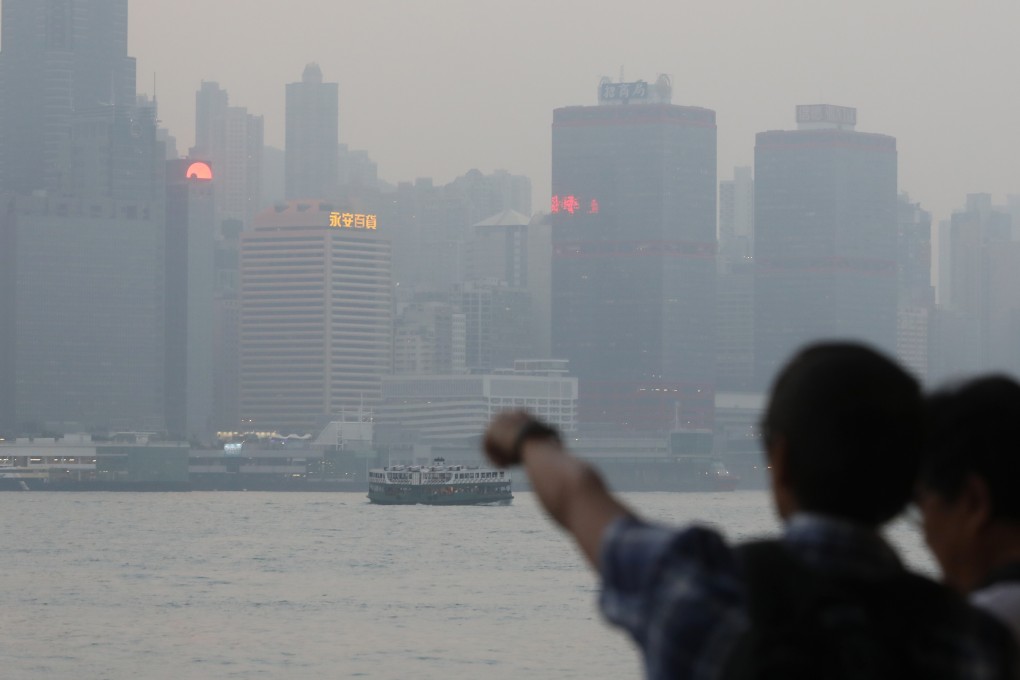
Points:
[[533, 429]]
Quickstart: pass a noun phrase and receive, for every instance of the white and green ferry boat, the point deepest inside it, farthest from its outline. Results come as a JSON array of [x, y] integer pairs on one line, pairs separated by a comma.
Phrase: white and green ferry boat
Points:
[[439, 484]]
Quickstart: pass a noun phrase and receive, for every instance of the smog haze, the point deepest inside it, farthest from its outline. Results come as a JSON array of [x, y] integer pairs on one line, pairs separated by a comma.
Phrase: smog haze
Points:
[[431, 89]]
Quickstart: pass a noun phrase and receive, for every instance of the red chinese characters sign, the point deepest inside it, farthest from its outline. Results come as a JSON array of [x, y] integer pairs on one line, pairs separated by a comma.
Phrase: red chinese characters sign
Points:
[[573, 205]]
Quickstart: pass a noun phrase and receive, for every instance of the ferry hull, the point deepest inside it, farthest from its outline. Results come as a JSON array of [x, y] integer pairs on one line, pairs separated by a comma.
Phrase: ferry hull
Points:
[[438, 495]]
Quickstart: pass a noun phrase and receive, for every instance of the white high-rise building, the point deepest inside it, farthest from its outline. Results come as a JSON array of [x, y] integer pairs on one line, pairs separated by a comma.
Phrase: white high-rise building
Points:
[[316, 315]]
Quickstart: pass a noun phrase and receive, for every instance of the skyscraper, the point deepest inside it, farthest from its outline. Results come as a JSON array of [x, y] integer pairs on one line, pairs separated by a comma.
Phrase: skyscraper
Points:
[[81, 224], [634, 241], [313, 135], [825, 236], [231, 139], [979, 319], [316, 315], [190, 293], [59, 58]]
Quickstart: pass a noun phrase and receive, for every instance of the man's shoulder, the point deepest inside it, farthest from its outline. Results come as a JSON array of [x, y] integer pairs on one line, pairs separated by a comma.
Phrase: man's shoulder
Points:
[[676, 591]]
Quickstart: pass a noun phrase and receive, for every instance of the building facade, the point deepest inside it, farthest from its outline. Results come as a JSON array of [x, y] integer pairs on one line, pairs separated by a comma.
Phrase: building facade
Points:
[[316, 316], [430, 337], [634, 255], [915, 297], [825, 236], [190, 299], [83, 314], [736, 215]]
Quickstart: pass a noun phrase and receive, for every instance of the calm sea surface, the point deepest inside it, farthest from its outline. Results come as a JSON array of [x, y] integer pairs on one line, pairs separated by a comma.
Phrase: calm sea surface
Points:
[[293, 585]]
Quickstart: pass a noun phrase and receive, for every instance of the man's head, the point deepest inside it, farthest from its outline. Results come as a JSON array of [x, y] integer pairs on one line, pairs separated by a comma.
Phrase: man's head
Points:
[[969, 490], [843, 433]]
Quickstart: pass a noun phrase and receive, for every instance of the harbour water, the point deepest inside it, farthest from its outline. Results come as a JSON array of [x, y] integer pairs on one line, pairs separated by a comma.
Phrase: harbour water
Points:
[[304, 585]]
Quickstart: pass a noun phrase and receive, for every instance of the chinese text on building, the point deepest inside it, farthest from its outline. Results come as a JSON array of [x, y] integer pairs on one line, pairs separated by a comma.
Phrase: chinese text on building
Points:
[[352, 220]]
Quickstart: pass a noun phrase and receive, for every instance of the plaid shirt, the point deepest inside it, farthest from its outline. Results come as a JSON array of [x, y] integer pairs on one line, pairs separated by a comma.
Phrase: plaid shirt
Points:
[[681, 596]]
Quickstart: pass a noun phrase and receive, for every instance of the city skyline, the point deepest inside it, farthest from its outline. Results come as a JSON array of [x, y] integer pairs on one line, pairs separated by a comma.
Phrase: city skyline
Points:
[[422, 107]]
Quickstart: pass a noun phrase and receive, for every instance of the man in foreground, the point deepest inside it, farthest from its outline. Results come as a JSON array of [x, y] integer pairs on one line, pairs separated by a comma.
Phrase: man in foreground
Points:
[[842, 434], [970, 492]]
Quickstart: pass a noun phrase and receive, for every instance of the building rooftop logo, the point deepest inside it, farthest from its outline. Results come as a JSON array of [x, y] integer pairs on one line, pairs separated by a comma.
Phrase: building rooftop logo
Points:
[[639, 92]]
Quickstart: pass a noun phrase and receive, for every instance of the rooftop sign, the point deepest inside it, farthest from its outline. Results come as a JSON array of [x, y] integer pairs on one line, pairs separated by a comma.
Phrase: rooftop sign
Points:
[[827, 113], [638, 91], [344, 220], [621, 92]]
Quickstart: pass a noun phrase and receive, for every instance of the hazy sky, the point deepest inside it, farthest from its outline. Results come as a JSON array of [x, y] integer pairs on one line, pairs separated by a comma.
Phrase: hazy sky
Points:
[[436, 87]]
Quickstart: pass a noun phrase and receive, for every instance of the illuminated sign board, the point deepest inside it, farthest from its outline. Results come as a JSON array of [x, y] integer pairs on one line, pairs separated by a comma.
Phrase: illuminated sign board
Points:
[[573, 205], [232, 449], [623, 92], [352, 220]]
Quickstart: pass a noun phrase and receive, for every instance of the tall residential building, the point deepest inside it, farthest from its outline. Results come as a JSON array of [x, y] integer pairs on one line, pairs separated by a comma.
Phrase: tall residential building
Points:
[[313, 135], [634, 267], [190, 293], [231, 139], [59, 58], [825, 227], [316, 315]]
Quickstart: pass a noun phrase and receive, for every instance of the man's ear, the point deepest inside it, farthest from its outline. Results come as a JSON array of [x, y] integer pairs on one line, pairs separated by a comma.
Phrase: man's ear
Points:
[[775, 454], [976, 503]]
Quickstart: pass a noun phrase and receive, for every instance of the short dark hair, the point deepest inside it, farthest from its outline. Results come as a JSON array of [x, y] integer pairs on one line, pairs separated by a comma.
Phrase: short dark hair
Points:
[[852, 423], [972, 429]]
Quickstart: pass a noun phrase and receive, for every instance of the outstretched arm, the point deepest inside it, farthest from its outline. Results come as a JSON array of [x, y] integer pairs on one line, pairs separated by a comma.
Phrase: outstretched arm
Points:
[[570, 490]]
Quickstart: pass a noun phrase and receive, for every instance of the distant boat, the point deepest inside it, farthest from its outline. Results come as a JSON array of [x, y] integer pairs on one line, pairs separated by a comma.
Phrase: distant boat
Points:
[[439, 484]]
